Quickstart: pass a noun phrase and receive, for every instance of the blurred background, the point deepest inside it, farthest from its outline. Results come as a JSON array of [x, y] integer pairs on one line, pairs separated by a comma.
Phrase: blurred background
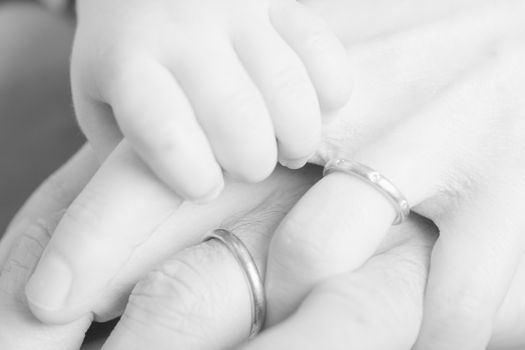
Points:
[[38, 131], [37, 128]]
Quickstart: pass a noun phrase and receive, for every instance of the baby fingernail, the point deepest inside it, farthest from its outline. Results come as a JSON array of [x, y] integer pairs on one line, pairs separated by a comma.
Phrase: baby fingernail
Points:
[[49, 287], [295, 163], [211, 196]]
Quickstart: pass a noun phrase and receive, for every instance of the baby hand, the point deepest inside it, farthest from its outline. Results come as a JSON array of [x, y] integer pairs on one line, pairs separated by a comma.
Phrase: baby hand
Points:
[[196, 86]]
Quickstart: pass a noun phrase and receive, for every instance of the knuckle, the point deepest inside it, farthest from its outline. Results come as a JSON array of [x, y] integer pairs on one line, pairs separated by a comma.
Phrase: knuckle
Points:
[[411, 277], [125, 72], [407, 266], [107, 56], [115, 76], [101, 64], [174, 295]]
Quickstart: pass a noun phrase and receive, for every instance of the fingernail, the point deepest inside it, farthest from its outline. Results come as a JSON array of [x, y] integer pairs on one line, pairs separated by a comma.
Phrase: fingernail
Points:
[[211, 196], [294, 163], [50, 284]]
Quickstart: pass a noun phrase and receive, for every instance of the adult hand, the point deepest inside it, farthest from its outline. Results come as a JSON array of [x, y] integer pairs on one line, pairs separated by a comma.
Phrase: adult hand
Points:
[[199, 299], [452, 158], [30, 231], [118, 212]]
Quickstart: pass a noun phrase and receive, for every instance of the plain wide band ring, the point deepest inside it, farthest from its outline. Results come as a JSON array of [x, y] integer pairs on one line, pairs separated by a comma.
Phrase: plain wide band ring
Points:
[[255, 282], [378, 181]]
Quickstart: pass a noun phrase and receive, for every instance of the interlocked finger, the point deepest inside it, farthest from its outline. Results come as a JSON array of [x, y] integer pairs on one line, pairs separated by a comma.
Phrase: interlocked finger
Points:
[[201, 298], [374, 308], [342, 219]]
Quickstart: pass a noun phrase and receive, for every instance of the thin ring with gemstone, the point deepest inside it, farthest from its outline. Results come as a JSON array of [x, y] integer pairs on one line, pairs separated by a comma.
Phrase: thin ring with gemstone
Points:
[[249, 268], [374, 178]]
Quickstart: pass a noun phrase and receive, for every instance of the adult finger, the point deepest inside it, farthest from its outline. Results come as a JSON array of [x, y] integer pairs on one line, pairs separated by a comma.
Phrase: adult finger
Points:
[[200, 295], [185, 228], [52, 197], [376, 307], [407, 70], [19, 253], [341, 220], [116, 211], [19, 329], [509, 326], [114, 244], [473, 264], [132, 215], [482, 243]]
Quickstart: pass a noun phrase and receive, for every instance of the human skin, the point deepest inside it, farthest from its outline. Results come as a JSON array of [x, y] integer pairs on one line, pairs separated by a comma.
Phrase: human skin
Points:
[[198, 298], [404, 82], [200, 86], [222, 84]]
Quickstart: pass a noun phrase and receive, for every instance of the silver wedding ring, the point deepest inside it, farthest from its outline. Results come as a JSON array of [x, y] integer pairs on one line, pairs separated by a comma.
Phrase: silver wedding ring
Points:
[[374, 178], [255, 282]]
